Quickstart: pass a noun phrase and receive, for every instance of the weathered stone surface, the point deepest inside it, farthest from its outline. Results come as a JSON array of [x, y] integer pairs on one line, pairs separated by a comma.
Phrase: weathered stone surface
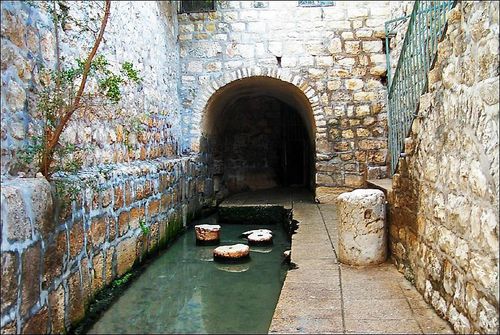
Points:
[[14, 215], [98, 230], [76, 238], [38, 193], [98, 272], [9, 280], [38, 323], [260, 238], [56, 305], [264, 231], [10, 328], [76, 306], [30, 289], [175, 103], [125, 255], [362, 232], [207, 232], [443, 195], [328, 195], [109, 266], [53, 259], [231, 252]]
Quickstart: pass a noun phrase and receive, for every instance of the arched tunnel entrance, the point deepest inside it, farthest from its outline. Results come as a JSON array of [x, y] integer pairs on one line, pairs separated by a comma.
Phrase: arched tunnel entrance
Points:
[[259, 133]]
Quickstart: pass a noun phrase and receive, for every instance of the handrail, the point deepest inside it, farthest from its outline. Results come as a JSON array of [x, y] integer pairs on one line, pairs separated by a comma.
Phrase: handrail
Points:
[[425, 29]]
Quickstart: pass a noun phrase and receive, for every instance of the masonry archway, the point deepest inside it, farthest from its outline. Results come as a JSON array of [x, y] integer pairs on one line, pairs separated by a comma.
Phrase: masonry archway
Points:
[[259, 132]]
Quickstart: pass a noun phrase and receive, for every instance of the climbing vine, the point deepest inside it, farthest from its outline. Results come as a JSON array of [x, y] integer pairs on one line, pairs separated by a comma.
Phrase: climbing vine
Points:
[[65, 91]]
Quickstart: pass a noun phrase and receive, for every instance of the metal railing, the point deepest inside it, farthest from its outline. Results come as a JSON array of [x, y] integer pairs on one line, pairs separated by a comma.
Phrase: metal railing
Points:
[[425, 29]]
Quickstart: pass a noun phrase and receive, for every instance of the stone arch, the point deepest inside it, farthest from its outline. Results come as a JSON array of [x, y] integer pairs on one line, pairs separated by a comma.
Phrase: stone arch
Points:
[[302, 91], [210, 107]]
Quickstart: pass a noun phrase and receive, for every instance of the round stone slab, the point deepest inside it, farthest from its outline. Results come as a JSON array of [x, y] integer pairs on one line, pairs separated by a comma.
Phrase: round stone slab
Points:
[[260, 238], [207, 233], [231, 252], [245, 234]]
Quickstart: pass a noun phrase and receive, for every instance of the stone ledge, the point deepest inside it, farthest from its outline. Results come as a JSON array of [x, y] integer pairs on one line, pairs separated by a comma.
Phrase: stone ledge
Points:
[[141, 167], [384, 185]]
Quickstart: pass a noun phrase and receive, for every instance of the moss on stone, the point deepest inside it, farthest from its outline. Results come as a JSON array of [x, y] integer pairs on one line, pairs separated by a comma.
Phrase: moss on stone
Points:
[[103, 298]]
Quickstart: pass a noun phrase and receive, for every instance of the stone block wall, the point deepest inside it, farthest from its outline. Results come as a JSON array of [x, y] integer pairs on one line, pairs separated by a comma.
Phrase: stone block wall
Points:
[[337, 51], [56, 257], [444, 229], [143, 125], [136, 190]]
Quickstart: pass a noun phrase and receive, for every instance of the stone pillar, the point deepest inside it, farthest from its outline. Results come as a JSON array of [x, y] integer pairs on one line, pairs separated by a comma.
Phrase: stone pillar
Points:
[[362, 231]]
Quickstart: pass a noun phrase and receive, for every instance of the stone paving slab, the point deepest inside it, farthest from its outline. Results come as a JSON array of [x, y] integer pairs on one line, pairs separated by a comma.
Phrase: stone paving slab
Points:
[[322, 296]]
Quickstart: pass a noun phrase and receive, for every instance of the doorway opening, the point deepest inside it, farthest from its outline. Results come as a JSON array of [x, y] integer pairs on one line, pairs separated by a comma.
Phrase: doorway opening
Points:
[[259, 135]]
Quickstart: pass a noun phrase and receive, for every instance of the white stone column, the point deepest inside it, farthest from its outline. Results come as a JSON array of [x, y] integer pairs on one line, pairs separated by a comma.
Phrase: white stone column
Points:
[[362, 232]]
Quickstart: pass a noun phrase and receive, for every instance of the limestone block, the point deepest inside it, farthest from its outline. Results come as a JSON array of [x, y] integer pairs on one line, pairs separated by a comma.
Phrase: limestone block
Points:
[[364, 33], [207, 233], [362, 232], [357, 12], [16, 96], [125, 255], [335, 46], [30, 289], [372, 46], [354, 84], [9, 280], [38, 323], [352, 47]]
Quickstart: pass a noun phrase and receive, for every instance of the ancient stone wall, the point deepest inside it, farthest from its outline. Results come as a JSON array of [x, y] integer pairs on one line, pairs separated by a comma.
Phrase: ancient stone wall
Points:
[[337, 51], [135, 191], [445, 202], [143, 125], [56, 257]]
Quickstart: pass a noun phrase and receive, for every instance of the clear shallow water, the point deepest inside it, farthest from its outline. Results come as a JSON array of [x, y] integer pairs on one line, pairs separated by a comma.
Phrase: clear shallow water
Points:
[[185, 291]]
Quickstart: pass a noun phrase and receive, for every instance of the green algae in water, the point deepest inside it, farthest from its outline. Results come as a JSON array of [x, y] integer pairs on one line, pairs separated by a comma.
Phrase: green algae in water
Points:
[[185, 291]]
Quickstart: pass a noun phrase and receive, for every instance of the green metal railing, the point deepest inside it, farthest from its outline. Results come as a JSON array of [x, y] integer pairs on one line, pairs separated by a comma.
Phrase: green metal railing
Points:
[[409, 82]]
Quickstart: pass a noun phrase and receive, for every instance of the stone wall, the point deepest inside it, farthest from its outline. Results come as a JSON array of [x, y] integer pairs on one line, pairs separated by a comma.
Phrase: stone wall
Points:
[[143, 125], [135, 191], [53, 265], [57, 256], [336, 51], [445, 202]]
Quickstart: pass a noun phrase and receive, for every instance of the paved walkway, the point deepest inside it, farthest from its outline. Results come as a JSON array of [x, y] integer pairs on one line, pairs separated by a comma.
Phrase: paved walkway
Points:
[[323, 296]]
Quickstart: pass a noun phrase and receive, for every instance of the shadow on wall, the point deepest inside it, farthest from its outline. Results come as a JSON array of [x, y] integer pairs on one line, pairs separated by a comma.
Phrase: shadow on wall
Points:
[[259, 134]]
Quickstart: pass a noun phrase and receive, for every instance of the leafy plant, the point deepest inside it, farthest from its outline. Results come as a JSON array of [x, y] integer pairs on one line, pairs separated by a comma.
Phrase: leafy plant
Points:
[[145, 229], [64, 91], [122, 281]]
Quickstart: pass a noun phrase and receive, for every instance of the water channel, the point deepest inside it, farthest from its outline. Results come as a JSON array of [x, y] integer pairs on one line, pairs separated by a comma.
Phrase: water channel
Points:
[[185, 291]]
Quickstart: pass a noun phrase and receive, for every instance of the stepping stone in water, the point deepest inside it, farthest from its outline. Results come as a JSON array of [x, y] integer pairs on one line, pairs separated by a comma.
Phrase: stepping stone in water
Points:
[[260, 238], [231, 252], [207, 234], [245, 234]]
